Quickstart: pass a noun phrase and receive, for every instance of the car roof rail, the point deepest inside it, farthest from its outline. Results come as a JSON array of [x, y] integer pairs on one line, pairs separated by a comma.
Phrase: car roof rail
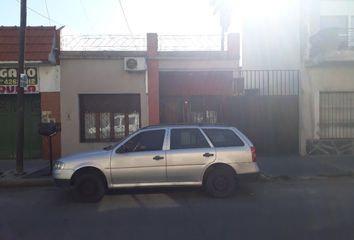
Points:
[[186, 124]]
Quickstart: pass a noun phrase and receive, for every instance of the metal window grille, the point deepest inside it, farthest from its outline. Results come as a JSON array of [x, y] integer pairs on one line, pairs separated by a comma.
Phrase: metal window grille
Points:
[[133, 122], [105, 125], [90, 125], [336, 115], [108, 117], [119, 125]]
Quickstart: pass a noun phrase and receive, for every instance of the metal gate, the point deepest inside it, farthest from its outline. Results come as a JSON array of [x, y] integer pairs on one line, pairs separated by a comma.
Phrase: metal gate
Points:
[[263, 105], [32, 140], [266, 109]]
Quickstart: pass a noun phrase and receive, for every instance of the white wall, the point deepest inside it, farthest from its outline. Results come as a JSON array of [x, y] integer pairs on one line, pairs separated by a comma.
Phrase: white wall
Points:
[[335, 78], [337, 8], [332, 77], [49, 78]]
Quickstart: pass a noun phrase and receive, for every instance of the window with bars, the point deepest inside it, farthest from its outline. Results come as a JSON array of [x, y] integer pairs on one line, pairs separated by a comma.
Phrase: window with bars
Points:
[[336, 115], [108, 117]]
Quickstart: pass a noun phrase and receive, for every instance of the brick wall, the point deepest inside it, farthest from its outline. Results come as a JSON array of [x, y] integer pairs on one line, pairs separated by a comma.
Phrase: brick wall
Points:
[[153, 78], [50, 106]]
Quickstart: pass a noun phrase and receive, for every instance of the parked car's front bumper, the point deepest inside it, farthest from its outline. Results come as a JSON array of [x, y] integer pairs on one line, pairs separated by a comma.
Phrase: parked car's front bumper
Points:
[[62, 173], [62, 177], [62, 183]]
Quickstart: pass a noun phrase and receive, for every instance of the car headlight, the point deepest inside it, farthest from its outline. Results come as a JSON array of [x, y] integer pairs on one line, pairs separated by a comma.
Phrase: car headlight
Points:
[[58, 165]]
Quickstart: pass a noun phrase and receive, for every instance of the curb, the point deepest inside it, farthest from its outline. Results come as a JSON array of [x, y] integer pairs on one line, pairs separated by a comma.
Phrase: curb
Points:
[[21, 182]]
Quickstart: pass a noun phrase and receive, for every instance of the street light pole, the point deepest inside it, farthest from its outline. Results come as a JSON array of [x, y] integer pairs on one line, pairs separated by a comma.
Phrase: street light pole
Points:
[[20, 92]]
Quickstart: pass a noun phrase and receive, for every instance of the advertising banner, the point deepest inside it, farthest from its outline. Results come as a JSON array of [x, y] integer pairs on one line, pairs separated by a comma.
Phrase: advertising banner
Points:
[[9, 80]]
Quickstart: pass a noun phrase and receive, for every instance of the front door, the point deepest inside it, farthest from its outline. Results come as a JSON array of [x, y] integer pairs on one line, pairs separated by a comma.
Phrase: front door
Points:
[[188, 155], [141, 159], [32, 140], [193, 109]]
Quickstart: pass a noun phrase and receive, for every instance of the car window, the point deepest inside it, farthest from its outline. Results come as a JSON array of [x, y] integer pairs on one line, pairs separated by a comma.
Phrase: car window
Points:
[[145, 141], [223, 138], [187, 138]]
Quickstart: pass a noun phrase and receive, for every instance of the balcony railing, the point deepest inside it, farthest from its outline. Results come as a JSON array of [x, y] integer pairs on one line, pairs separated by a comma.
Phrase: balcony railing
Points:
[[331, 40]]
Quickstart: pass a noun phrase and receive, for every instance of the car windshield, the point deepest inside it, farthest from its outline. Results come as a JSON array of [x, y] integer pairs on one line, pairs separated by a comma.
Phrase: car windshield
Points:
[[110, 147]]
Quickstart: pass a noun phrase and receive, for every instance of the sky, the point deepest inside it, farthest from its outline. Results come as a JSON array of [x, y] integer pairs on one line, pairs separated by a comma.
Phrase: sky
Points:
[[96, 17]]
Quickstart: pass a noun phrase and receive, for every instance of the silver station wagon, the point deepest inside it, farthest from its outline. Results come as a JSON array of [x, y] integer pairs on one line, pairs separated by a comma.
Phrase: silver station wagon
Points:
[[212, 156]]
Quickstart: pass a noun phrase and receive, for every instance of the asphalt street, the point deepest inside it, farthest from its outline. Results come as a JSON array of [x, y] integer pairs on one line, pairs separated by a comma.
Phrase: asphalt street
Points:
[[278, 209]]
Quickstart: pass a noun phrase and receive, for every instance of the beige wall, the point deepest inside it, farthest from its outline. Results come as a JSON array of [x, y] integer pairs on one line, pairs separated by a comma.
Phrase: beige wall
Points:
[[198, 65], [93, 76], [313, 81]]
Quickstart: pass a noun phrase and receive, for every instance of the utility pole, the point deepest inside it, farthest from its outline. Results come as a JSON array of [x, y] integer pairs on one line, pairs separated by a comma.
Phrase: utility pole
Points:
[[20, 91], [222, 39]]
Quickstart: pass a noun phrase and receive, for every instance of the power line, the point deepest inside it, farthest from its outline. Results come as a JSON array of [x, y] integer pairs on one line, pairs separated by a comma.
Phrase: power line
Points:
[[46, 6], [125, 17], [87, 17], [40, 14]]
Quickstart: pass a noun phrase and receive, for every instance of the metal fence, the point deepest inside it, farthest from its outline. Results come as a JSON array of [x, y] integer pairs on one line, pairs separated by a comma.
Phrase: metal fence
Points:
[[269, 82], [138, 43], [336, 115], [103, 43]]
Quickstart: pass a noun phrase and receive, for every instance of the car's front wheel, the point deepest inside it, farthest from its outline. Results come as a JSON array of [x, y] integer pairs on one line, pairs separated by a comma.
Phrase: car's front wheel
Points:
[[88, 187], [220, 182]]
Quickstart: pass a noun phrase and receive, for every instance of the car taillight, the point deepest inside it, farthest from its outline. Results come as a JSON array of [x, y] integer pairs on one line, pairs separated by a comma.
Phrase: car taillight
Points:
[[253, 151]]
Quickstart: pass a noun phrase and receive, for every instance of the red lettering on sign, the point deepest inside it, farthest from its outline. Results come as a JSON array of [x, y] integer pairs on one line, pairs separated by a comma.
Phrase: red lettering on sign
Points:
[[10, 89], [31, 88]]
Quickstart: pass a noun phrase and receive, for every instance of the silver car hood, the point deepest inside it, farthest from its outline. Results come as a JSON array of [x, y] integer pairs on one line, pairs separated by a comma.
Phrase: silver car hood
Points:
[[99, 158]]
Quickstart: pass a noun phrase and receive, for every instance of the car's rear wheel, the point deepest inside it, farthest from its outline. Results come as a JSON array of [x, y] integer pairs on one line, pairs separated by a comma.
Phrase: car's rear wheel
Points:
[[88, 187], [220, 182]]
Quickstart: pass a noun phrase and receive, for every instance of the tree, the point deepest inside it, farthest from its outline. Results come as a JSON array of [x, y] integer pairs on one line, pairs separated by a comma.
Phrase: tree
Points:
[[223, 9]]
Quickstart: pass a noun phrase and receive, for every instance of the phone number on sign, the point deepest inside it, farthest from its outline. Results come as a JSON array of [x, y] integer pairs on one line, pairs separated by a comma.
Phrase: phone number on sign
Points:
[[13, 81]]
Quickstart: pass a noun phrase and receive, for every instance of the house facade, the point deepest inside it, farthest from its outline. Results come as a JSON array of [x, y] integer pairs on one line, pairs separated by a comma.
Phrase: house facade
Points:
[[105, 95], [314, 38], [327, 119], [42, 95]]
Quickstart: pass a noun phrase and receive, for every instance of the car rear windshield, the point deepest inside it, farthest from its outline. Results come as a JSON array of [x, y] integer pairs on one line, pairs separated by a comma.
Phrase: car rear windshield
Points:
[[223, 138]]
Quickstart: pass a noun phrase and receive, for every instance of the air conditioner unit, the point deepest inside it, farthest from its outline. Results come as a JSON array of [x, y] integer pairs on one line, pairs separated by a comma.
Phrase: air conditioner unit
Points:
[[134, 64]]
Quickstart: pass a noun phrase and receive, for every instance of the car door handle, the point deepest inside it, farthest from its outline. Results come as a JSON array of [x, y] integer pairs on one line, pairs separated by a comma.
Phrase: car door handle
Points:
[[158, 157], [208, 155]]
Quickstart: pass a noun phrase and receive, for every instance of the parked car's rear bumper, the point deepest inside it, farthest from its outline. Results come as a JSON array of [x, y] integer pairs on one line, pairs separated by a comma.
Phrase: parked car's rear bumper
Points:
[[248, 177], [245, 167]]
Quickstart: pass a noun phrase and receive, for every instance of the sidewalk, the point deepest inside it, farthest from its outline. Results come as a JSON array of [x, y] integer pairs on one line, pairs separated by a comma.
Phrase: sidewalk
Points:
[[287, 167], [307, 167], [36, 174]]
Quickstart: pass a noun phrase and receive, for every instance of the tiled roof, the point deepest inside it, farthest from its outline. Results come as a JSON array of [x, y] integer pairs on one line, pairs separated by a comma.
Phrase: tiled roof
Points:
[[39, 43]]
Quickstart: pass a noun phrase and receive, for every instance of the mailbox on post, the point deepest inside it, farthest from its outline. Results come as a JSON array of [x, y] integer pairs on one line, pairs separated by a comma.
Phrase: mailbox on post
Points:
[[49, 130]]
